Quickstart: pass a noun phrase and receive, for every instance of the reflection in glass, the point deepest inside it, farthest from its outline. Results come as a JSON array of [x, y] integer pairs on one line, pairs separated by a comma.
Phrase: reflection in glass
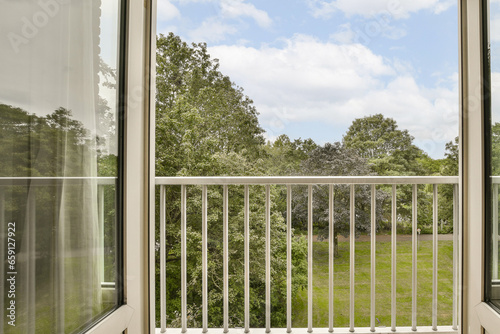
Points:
[[59, 175]]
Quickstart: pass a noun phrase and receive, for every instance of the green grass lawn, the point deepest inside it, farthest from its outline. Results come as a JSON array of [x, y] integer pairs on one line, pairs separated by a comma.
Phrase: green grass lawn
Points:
[[383, 285]]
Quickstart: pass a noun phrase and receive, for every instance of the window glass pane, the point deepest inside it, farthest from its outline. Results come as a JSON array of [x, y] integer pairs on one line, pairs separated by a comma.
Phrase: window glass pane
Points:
[[59, 165], [493, 109]]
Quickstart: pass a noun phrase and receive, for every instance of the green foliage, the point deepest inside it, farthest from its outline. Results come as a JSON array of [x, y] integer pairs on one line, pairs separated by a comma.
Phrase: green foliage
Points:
[[286, 156], [207, 126], [336, 160], [495, 149], [390, 151], [450, 163], [32, 145], [200, 113]]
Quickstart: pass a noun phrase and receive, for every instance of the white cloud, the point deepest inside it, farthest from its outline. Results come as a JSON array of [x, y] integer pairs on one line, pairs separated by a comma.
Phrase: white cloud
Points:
[[195, 1], [367, 31], [322, 9], [166, 11], [238, 8], [305, 66], [235, 9], [397, 9], [308, 80], [212, 30], [444, 5], [344, 35], [223, 20]]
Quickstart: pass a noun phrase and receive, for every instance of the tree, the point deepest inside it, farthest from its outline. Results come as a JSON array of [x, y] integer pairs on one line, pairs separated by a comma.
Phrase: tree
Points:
[[336, 160], [450, 163], [199, 112], [32, 145], [390, 151], [285, 156], [206, 126], [495, 149]]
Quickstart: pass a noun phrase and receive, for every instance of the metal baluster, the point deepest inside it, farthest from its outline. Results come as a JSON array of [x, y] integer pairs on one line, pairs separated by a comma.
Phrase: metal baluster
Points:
[[310, 260], [183, 261], [225, 210], [31, 251], [268, 259], [101, 231], [352, 258], [393, 259], [59, 254], [163, 284], [331, 246], [204, 251], [373, 250], [247, 260], [434, 256], [414, 260], [289, 258]]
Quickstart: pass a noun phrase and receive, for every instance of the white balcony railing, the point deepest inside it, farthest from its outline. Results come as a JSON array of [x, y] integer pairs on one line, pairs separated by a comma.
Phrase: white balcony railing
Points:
[[332, 182], [57, 182]]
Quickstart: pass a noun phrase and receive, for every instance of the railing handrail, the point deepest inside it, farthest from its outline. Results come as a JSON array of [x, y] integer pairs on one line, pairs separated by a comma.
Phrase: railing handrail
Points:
[[303, 180], [51, 180], [250, 180]]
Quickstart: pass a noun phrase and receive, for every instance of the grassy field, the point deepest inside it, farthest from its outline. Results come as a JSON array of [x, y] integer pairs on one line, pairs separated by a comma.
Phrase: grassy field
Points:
[[383, 285]]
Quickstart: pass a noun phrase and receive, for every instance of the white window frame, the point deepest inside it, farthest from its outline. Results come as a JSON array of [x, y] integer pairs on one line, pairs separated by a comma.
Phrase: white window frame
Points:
[[477, 315], [137, 313]]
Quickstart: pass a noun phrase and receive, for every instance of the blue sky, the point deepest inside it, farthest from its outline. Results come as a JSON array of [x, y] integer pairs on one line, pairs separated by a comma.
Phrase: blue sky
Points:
[[313, 66]]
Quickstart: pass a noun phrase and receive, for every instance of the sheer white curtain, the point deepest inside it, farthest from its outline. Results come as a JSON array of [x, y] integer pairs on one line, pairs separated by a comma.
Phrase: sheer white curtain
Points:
[[49, 100]]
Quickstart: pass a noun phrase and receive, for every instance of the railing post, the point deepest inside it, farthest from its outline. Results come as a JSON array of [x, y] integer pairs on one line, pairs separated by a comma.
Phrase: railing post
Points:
[[247, 259], [101, 230], [268, 259], [204, 264], [225, 209], [163, 284], [31, 259], [393, 259], [373, 253], [289, 258], [331, 247], [60, 250], [414, 260], [352, 258], [183, 261], [434, 256], [310, 259]]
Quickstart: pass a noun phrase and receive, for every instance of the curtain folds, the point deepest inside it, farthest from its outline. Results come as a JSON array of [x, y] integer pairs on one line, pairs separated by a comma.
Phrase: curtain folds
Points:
[[58, 139]]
